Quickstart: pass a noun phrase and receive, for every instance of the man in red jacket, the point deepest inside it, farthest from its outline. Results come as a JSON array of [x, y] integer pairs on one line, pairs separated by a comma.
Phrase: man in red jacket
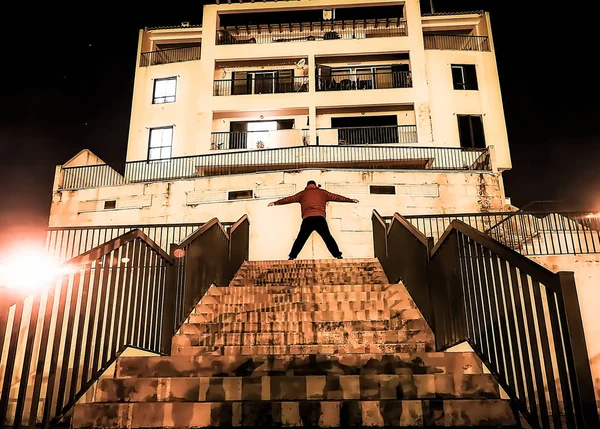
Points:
[[312, 202]]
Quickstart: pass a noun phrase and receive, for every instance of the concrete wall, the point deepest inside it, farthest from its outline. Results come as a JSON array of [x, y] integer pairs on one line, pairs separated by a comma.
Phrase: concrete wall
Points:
[[274, 229], [431, 98], [587, 279]]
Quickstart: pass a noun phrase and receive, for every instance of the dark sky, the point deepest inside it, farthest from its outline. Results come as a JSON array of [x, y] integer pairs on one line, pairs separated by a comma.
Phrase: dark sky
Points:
[[68, 73]]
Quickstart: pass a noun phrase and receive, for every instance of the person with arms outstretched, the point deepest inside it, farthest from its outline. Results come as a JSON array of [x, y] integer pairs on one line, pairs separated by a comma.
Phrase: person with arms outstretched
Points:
[[312, 201]]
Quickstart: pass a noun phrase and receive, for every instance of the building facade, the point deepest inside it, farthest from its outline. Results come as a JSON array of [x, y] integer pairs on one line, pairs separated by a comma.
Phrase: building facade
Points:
[[373, 100]]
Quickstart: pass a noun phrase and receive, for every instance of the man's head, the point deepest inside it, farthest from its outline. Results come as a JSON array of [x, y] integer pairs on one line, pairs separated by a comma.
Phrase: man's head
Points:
[[311, 182]]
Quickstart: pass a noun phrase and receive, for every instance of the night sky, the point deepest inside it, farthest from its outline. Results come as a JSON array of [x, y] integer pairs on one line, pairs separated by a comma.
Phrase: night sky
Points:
[[68, 74]]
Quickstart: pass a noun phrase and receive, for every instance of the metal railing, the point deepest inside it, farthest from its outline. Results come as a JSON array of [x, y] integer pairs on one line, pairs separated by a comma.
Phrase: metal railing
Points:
[[227, 140], [371, 157], [457, 42], [365, 81], [392, 134], [312, 31], [126, 292], [173, 55], [530, 233], [64, 243], [522, 320], [61, 339], [260, 85]]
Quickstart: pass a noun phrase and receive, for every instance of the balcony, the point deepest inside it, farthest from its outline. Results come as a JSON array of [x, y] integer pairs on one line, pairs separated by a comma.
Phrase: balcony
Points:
[[261, 83], [265, 139], [171, 55], [393, 134], [370, 157], [447, 42], [312, 31], [362, 81]]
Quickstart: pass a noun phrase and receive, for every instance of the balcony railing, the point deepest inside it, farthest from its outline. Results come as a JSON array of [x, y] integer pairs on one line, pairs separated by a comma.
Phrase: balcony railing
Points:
[[457, 42], [360, 81], [312, 31], [392, 134], [370, 157], [166, 56], [261, 85]]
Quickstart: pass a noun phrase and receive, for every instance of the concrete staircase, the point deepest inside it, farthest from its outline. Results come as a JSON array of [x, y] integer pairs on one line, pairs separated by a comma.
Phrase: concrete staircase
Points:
[[301, 344]]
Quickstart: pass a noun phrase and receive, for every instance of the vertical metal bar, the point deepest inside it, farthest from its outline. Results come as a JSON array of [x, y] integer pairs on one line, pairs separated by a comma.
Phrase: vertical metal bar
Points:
[[102, 323], [58, 328], [132, 287], [544, 340], [98, 267], [9, 367], [526, 364], [535, 354], [561, 362], [80, 328], [68, 340], [43, 348], [112, 291], [140, 291], [153, 286], [576, 351], [495, 326], [122, 298]]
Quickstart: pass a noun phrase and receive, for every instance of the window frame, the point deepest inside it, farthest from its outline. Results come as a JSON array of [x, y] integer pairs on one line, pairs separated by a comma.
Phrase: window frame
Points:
[[154, 90], [466, 85], [172, 128], [471, 130]]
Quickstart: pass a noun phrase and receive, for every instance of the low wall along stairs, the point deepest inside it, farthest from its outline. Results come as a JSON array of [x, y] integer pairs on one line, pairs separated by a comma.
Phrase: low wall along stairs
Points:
[[301, 344]]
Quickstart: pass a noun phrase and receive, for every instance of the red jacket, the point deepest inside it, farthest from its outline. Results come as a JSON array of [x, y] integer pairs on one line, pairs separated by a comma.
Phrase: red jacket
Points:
[[313, 200]]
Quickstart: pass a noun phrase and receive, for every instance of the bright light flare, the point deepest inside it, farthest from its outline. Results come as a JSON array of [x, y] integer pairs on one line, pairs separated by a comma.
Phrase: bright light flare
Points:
[[30, 269], [593, 216]]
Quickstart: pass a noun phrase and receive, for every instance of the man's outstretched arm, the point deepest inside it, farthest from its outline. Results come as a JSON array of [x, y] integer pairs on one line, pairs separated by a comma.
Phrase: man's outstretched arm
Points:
[[287, 200], [339, 198]]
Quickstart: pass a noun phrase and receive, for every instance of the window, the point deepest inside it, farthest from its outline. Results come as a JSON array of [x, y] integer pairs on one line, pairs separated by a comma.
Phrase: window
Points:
[[161, 141], [110, 204], [240, 195], [470, 130], [464, 76], [164, 90], [382, 189]]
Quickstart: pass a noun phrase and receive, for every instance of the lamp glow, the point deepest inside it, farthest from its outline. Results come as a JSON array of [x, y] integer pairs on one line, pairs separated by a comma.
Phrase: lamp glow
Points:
[[30, 269]]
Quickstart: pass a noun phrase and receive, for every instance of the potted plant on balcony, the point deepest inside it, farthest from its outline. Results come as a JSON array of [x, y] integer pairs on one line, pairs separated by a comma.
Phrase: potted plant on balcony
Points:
[[260, 144]]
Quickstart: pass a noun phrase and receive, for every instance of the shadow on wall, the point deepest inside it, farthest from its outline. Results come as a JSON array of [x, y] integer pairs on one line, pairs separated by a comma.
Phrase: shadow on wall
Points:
[[595, 364]]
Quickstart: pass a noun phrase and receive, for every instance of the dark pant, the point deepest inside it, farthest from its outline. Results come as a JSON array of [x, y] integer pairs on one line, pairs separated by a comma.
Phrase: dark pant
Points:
[[310, 224]]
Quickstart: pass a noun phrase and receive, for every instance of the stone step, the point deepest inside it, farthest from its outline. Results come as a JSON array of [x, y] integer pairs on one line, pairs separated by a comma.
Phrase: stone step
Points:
[[303, 337], [307, 327], [418, 363], [356, 364], [307, 316], [292, 306], [304, 349], [297, 388], [292, 297], [262, 414], [243, 291]]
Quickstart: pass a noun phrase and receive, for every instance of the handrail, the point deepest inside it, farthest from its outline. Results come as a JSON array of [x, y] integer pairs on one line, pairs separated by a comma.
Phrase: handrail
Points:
[[522, 320], [418, 235]]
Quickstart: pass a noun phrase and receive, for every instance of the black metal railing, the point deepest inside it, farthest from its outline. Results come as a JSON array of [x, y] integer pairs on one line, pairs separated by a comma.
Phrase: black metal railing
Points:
[[392, 134], [126, 292], [209, 256], [522, 320], [65, 243], [261, 85], [60, 339], [370, 157], [312, 31], [367, 80], [173, 55], [457, 42], [530, 233]]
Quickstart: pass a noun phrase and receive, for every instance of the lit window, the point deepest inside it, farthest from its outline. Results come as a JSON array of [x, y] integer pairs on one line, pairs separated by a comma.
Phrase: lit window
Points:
[[464, 76], [161, 141], [164, 90]]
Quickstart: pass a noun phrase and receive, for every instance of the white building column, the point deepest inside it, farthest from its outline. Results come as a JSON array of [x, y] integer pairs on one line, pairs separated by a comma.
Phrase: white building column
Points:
[[312, 109]]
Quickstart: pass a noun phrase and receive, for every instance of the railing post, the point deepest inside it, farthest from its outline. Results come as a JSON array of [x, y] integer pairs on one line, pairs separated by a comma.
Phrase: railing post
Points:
[[586, 410], [168, 320]]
